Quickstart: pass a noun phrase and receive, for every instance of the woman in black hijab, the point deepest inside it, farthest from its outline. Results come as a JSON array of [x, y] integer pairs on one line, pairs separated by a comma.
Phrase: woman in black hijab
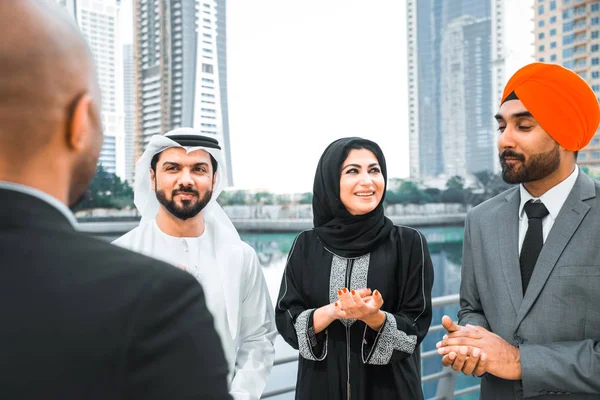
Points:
[[355, 298]]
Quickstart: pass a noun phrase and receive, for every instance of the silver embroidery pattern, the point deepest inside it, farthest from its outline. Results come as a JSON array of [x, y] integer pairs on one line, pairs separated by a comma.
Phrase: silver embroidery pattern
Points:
[[304, 337], [360, 270], [337, 278], [389, 339]]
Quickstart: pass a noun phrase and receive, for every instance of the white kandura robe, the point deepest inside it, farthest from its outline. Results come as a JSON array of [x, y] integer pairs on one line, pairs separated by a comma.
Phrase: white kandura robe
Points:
[[236, 295]]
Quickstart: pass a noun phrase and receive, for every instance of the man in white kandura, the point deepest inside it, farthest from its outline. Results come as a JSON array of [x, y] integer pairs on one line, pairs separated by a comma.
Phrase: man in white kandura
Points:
[[176, 188]]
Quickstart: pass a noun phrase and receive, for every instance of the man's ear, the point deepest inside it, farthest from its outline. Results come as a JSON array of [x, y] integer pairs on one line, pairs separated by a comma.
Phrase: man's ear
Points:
[[81, 127], [153, 179]]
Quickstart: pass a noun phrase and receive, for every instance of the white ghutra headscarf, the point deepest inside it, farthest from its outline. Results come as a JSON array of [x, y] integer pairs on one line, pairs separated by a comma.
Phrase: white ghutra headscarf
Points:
[[190, 139]]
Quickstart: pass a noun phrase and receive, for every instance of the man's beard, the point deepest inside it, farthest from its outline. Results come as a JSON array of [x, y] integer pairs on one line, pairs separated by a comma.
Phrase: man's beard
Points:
[[537, 167], [188, 208]]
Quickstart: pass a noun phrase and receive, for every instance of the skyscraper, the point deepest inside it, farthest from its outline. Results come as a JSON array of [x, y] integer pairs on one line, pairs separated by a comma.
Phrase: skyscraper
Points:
[[178, 69], [222, 60], [458, 62], [99, 23], [568, 33], [129, 109]]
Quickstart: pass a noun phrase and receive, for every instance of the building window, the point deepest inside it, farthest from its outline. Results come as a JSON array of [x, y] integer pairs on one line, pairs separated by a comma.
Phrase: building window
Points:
[[541, 48], [595, 34], [568, 52], [541, 9], [208, 68], [568, 27], [595, 75], [568, 39], [594, 7], [595, 21], [541, 59], [595, 61], [568, 13], [595, 48], [541, 23], [552, 57], [553, 19], [553, 5], [552, 45], [553, 32], [541, 35]]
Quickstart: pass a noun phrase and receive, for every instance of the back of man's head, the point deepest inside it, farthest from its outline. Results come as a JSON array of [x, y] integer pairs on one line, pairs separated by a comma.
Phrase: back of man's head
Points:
[[50, 129]]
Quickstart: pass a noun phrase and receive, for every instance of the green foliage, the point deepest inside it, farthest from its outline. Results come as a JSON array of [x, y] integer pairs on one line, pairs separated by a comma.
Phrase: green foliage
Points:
[[487, 186], [593, 172], [306, 198], [233, 198], [456, 182], [407, 192], [107, 191], [265, 198]]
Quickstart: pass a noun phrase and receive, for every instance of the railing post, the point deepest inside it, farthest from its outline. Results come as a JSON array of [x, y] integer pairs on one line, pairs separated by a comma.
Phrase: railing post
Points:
[[445, 388]]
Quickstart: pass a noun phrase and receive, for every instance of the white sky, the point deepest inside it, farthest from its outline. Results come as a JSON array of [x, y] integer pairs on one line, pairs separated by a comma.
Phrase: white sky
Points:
[[304, 73]]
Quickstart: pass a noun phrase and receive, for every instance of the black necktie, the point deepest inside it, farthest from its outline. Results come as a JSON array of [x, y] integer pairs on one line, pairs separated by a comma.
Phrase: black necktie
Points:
[[534, 240]]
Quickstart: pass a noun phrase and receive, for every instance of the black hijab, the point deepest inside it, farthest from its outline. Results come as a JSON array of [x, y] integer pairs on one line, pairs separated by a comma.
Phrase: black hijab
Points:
[[342, 233]]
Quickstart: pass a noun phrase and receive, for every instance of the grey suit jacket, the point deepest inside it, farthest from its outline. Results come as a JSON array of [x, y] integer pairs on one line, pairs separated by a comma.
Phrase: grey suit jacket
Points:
[[557, 324]]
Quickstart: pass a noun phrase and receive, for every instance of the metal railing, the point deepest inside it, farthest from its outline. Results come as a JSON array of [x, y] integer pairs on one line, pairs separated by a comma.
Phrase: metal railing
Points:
[[446, 377]]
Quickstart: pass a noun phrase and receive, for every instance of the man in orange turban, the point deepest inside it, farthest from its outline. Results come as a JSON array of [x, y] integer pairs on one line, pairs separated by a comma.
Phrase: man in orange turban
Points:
[[529, 322]]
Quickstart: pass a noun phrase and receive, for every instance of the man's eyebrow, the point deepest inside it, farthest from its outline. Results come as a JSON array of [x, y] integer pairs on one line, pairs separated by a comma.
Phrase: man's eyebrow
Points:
[[522, 114]]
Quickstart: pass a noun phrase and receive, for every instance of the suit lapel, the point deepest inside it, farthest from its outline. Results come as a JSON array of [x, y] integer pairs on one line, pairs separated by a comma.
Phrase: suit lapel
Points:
[[567, 221], [506, 228]]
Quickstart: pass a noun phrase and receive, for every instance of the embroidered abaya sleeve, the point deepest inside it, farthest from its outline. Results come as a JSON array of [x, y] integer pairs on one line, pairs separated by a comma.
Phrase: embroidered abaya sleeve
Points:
[[405, 327], [294, 318]]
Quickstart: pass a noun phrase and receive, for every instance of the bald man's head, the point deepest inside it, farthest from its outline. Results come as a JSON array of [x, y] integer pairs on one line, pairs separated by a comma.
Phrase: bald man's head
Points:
[[49, 95]]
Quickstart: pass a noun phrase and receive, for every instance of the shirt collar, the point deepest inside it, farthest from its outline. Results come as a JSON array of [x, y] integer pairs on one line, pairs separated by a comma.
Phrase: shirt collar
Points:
[[53, 201], [553, 199]]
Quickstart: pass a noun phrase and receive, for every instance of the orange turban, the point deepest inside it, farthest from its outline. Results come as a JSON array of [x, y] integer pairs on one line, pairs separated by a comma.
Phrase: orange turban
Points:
[[559, 100]]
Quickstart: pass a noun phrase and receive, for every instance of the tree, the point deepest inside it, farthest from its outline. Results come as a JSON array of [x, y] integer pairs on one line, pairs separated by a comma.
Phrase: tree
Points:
[[265, 198], [306, 198], [234, 198], [487, 186], [407, 193], [456, 182], [435, 194], [106, 190], [454, 195]]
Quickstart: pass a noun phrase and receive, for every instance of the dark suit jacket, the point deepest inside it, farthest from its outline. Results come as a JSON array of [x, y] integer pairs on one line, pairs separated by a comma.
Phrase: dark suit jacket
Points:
[[83, 319]]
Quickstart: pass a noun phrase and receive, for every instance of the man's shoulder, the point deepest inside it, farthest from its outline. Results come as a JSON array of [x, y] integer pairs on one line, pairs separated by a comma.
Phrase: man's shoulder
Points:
[[114, 256]]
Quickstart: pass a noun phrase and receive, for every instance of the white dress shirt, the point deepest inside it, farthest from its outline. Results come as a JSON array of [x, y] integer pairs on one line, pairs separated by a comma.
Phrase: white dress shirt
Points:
[[553, 199]]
